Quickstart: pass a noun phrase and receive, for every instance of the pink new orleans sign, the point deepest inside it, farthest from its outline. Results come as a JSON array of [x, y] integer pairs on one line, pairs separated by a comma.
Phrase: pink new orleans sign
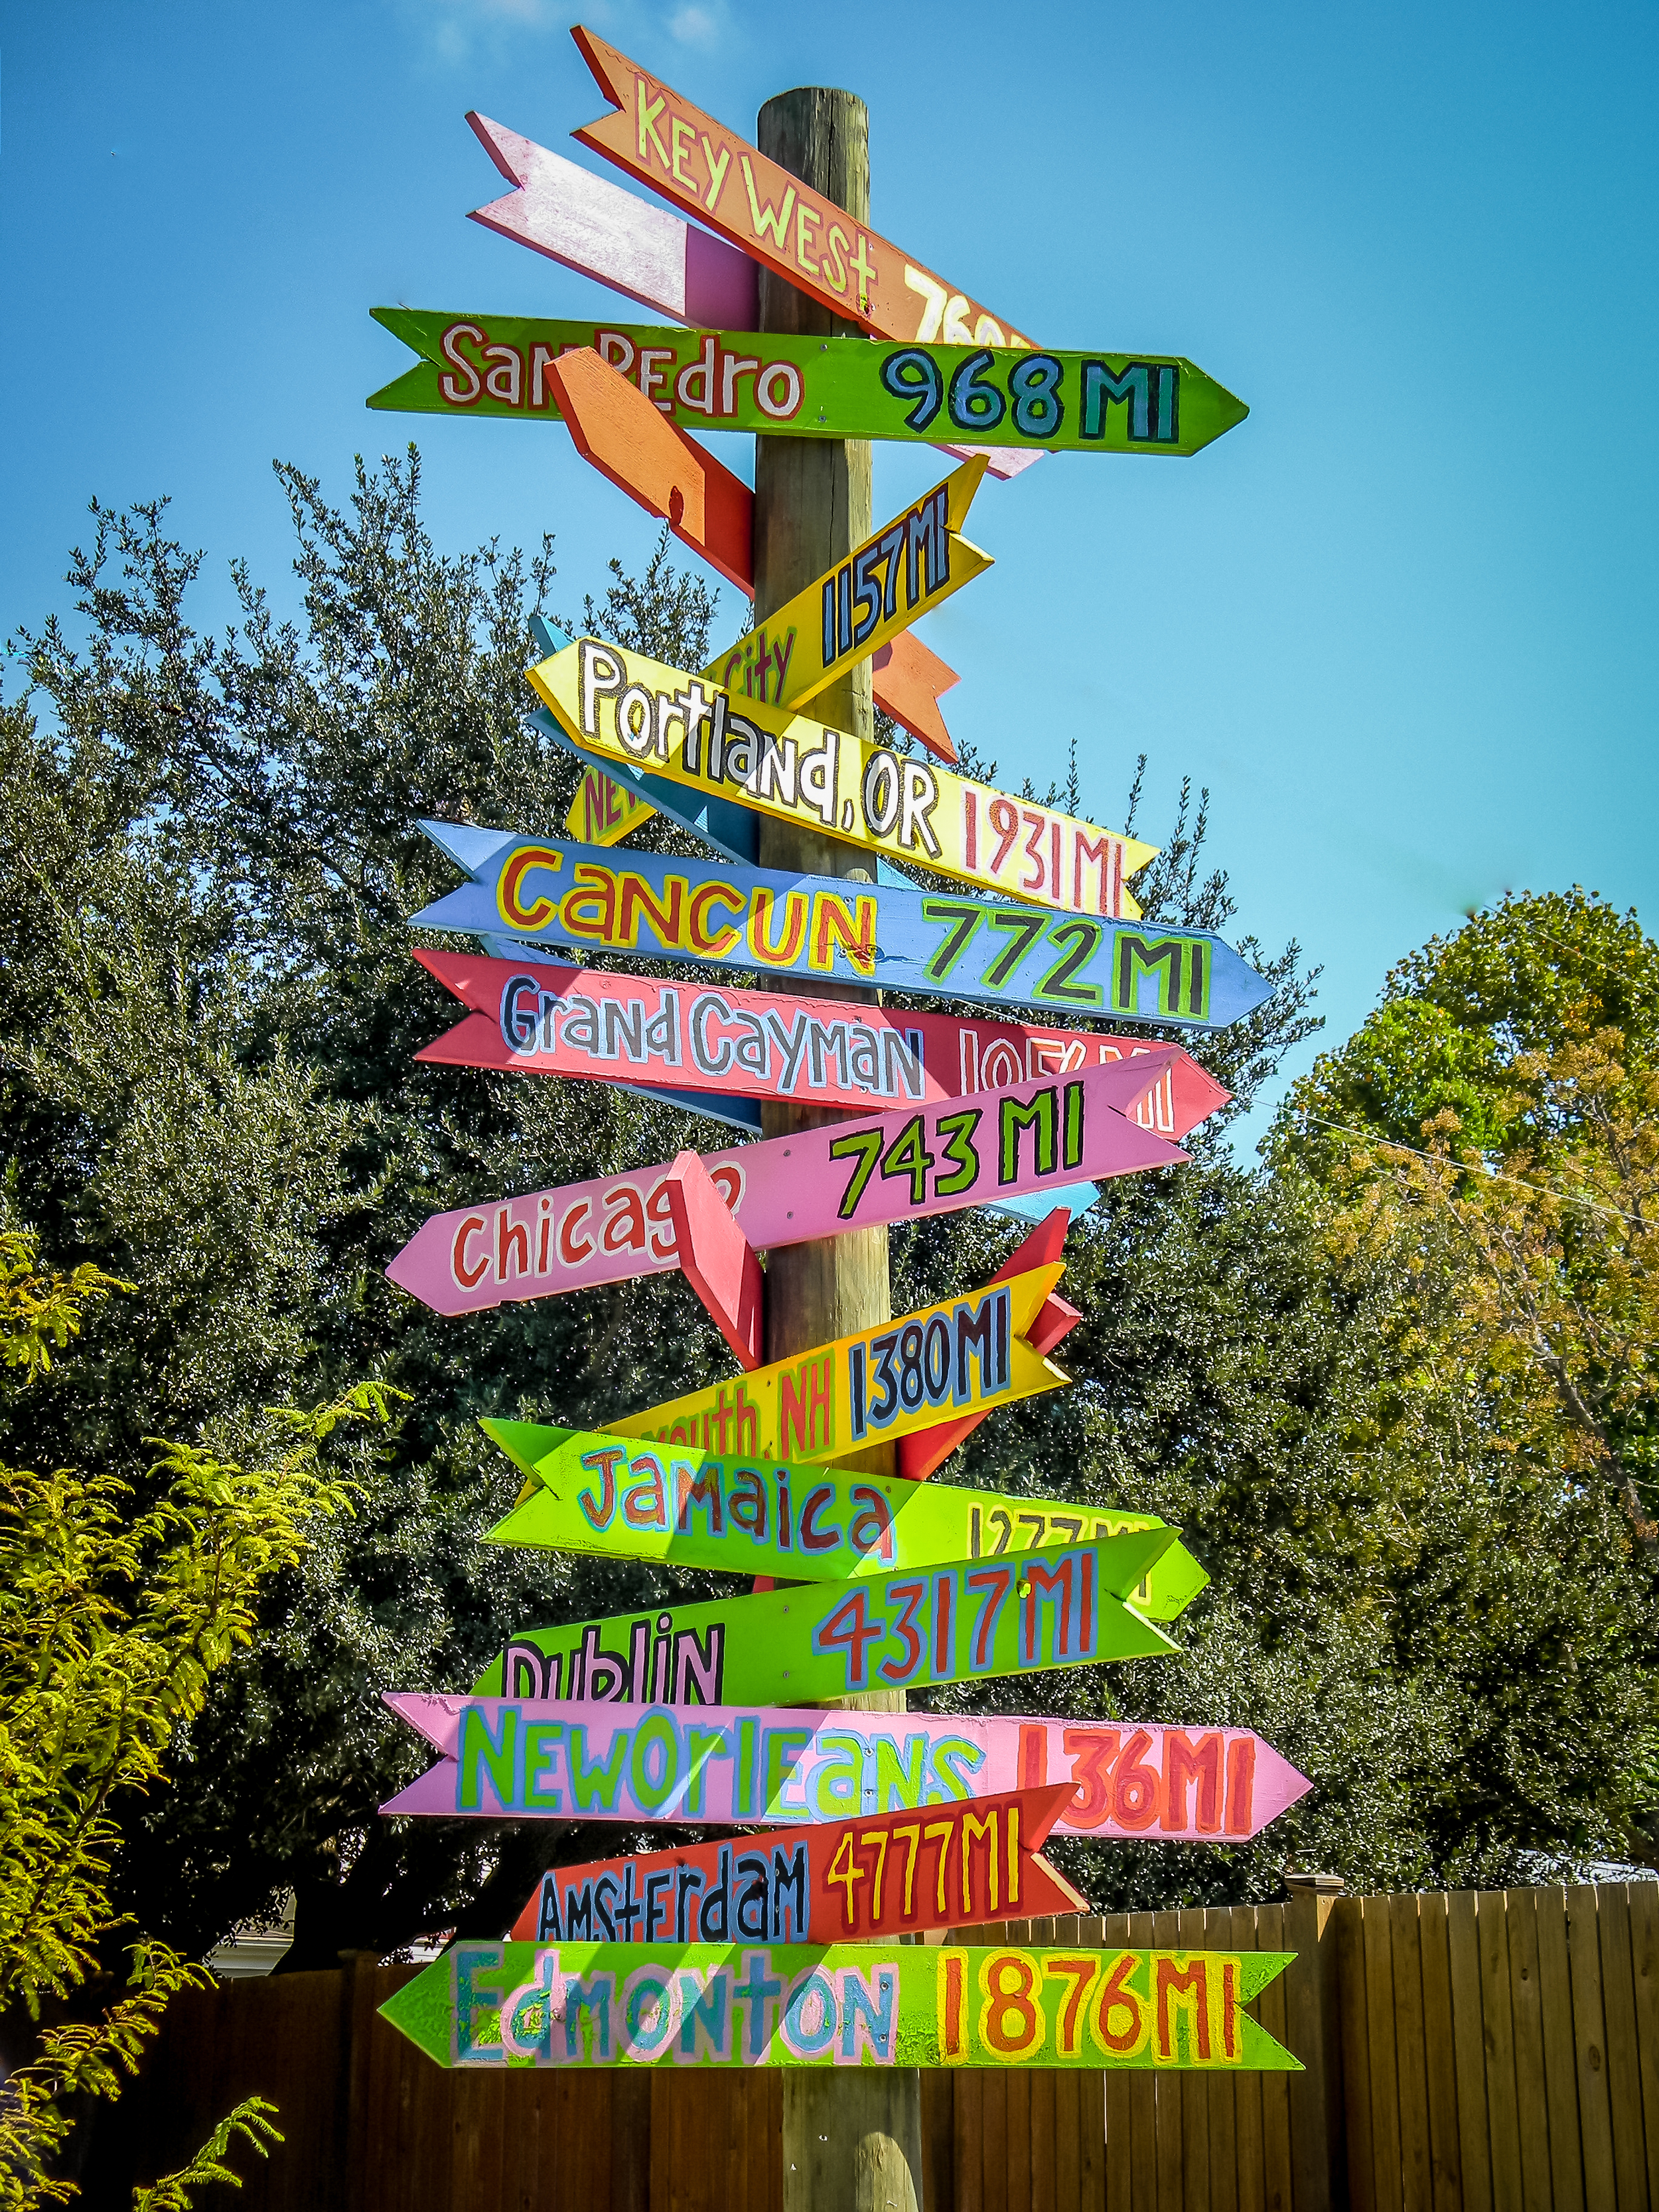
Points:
[[537, 1758]]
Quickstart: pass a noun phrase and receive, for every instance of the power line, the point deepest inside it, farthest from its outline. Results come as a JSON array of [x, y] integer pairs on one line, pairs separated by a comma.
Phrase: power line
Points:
[[1444, 1160]]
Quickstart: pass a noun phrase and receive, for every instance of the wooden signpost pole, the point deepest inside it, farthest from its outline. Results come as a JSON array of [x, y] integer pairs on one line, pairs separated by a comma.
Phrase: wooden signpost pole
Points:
[[852, 2136]]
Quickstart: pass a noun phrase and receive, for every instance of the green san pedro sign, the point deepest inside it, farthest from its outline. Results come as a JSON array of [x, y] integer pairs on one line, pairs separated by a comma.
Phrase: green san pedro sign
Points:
[[807, 387]]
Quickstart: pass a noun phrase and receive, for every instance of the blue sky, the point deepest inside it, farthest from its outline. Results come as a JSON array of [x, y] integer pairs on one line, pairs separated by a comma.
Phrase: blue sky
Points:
[[1399, 622]]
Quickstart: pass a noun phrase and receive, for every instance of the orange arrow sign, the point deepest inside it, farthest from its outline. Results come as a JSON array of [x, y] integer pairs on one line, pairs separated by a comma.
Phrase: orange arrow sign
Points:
[[643, 453], [664, 470], [700, 166]]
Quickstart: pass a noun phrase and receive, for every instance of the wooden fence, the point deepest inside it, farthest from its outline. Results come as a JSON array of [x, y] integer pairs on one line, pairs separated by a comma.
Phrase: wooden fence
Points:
[[1497, 2052]]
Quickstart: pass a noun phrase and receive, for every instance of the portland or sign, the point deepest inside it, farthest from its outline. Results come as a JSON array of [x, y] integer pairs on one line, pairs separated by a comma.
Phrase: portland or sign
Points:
[[642, 714]]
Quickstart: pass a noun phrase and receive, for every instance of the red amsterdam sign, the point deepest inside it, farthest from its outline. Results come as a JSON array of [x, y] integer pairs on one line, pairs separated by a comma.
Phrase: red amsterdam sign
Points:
[[711, 173], [891, 1873]]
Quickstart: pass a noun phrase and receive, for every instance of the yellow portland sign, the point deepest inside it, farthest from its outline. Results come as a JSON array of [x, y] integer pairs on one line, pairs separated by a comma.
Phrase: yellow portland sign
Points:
[[623, 707]]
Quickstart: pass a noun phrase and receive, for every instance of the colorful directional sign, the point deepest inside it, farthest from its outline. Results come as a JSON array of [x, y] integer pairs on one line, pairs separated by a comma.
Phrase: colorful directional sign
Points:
[[893, 935], [603, 813], [601, 231], [910, 565], [624, 707], [957, 1867], [1031, 1139], [487, 365], [908, 682], [537, 1017], [697, 2004], [890, 1380], [972, 1621], [616, 1227], [600, 1494], [527, 1757], [639, 248], [710, 173]]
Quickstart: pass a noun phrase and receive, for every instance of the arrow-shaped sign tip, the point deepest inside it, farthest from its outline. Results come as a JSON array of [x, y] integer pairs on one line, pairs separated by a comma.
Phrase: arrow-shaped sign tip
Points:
[[513, 155]]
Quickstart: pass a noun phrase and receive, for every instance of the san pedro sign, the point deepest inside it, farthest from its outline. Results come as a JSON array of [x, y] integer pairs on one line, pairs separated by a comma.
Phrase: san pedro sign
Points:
[[488, 366]]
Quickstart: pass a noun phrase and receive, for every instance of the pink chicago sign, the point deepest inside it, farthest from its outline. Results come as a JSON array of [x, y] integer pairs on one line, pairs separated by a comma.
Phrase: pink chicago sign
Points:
[[888, 1167]]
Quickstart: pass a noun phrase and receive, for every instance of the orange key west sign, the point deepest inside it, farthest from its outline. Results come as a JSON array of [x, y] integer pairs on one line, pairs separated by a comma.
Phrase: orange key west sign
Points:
[[710, 173]]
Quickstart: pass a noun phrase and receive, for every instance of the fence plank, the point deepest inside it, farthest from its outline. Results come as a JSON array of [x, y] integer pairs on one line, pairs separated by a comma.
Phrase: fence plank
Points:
[[968, 2137], [1166, 2090], [1440, 2062], [1135, 1933], [745, 2147], [475, 2167], [1405, 1942], [1094, 2161], [1498, 2013], [1555, 2003], [1043, 2132], [1645, 1954], [1304, 2022], [1590, 2039], [1018, 2182], [1068, 2178], [1531, 2100], [1091, 2159], [1347, 1932], [1385, 2057], [1247, 2090], [431, 2092], [398, 2107], [1469, 2049], [582, 2168], [1624, 2070], [1279, 2187], [1051, 1934], [994, 2107], [1194, 2097], [939, 2090], [1220, 2109]]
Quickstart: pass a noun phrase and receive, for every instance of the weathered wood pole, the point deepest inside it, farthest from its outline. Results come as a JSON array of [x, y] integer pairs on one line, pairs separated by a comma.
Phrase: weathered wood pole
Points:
[[852, 2136]]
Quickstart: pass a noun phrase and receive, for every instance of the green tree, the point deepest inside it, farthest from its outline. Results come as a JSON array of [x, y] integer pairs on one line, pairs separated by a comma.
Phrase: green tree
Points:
[[1490, 1137], [112, 1622]]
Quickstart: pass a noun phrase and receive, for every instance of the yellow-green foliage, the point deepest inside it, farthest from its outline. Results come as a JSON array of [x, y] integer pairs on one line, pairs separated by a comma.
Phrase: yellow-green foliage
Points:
[[110, 1623]]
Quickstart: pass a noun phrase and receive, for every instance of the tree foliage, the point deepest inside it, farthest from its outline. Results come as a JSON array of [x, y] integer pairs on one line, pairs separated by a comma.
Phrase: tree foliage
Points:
[[111, 1621]]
